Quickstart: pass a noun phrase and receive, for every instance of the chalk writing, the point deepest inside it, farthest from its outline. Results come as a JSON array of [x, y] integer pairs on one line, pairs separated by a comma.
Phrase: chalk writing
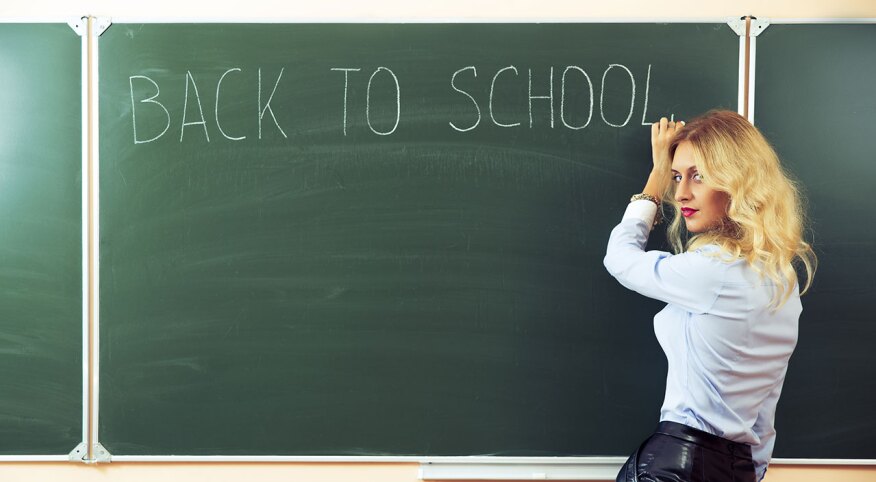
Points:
[[575, 83]]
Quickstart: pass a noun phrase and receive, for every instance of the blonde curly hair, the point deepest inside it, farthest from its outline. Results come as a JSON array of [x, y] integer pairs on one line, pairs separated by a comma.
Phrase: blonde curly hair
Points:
[[765, 218]]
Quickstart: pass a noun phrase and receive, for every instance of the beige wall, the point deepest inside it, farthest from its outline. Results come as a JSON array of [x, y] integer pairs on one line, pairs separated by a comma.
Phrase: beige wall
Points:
[[349, 9], [156, 472], [445, 8]]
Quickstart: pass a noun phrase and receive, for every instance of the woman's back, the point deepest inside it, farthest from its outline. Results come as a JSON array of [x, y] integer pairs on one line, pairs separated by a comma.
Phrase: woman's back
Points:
[[728, 364]]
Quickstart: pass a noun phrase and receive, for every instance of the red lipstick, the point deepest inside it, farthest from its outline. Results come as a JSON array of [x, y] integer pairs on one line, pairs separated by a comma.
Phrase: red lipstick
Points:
[[688, 212]]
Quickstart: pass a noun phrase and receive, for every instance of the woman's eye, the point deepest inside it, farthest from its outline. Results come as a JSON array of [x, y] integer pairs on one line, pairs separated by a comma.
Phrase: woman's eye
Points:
[[696, 177]]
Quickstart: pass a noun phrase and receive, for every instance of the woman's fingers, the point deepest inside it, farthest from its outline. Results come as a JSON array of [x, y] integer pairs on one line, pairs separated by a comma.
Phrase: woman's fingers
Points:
[[665, 126], [662, 133]]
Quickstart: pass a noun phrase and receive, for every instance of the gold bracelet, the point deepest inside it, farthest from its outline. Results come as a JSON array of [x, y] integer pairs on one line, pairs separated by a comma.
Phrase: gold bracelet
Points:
[[647, 196], [640, 196]]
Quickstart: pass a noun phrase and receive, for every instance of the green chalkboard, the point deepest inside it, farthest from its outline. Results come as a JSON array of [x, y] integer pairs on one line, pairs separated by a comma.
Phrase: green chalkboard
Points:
[[815, 99], [299, 258], [40, 240]]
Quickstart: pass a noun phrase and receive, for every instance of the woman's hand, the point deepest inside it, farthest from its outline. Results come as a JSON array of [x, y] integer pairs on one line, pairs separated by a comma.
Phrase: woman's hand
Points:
[[661, 137]]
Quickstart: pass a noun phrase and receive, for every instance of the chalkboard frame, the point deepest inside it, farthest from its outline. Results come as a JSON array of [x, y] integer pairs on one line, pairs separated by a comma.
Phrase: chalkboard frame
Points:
[[78, 27], [432, 467], [751, 117]]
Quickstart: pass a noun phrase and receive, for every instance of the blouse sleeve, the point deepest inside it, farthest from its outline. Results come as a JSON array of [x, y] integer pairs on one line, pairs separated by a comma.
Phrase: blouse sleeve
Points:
[[690, 280]]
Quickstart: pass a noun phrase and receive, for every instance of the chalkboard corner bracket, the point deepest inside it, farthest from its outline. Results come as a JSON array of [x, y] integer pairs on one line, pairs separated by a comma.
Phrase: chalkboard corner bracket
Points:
[[758, 25], [80, 26], [80, 454], [101, 454], [99, 24]]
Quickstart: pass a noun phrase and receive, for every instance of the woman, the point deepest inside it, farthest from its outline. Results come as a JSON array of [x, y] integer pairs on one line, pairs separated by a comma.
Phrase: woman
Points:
[[730, 324]]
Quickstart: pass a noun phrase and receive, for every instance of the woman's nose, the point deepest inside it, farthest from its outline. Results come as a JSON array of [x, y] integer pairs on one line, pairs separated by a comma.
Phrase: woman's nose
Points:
[[682, 191]]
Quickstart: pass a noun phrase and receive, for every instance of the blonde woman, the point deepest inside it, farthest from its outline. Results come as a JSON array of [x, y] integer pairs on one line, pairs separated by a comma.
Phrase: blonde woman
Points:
[[733, 300]]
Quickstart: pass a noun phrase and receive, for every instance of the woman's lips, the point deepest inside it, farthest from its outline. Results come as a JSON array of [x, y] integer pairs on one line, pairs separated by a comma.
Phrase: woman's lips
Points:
[[688, 212]]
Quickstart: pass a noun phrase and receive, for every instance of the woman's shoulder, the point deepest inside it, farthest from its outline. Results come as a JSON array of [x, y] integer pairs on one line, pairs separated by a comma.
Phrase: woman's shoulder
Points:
[[731, 269], [739, 269], [716, 252]]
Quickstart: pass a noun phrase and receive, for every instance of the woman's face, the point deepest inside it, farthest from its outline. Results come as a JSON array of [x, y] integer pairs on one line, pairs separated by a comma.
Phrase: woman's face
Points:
[[702, 207]]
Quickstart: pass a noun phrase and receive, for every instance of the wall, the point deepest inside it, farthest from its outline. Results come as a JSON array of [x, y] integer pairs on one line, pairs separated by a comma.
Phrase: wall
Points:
[[451, 9], [396, 9], [230, 472]]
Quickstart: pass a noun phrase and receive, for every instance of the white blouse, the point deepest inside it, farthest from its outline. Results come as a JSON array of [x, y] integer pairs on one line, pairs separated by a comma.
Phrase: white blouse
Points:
[[727, 353]]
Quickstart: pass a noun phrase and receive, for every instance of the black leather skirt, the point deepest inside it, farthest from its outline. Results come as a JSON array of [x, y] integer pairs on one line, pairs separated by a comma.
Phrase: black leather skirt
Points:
[[678, 453]]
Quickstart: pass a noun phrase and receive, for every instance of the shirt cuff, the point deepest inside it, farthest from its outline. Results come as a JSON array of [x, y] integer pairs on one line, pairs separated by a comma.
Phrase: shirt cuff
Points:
[[642, 209]]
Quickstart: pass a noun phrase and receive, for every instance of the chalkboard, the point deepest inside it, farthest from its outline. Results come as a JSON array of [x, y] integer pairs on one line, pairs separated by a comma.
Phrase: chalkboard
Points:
[[40, 240], [814, 98], [366, 239]]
